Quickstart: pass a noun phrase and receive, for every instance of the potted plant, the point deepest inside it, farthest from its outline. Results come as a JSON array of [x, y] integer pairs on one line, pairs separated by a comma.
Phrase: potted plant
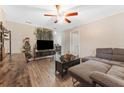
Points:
[[27, 48]]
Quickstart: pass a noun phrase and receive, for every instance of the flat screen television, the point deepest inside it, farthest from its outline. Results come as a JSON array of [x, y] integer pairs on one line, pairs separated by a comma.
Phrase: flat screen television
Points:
[[44, 44]]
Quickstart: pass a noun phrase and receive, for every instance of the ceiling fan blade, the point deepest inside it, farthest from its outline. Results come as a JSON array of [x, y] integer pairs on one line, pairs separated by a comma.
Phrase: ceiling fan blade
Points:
[[67, 20], [56, 21], [72, 14], [49, 15], [57, 7]]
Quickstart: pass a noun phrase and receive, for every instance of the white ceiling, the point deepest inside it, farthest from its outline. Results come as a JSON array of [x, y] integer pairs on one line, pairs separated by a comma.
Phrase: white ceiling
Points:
[[34, 14]]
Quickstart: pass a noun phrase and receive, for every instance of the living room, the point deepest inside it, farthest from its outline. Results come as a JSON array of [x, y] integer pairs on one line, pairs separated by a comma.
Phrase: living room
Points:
[[87, 30]]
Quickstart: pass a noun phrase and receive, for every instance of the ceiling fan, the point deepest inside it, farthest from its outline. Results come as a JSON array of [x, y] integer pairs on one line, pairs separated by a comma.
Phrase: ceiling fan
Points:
[[61, 15]]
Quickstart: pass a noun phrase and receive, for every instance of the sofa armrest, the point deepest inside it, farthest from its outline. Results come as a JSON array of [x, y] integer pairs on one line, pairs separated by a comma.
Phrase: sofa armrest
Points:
[[87, 58], [106, 79]]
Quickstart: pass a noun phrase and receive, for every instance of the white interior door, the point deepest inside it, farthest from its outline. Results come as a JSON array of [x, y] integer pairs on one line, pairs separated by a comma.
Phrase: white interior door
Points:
[[75, 44]]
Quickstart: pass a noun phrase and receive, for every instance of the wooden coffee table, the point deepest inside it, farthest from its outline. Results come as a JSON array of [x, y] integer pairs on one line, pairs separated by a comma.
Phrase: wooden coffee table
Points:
[[62, 67]]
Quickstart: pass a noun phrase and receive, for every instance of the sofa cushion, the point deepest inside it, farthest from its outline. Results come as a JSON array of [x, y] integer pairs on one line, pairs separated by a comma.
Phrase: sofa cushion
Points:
[[106, 79], [118, 51], [97, 59], [104, 56], [117, 71], [110, 62], [114, 63], [118, 58], [104, 53], [118, 54], [104, 50], [84, 70]]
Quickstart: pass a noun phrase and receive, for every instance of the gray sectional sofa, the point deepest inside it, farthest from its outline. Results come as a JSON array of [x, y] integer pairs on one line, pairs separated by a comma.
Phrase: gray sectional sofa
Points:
[[105, 69]]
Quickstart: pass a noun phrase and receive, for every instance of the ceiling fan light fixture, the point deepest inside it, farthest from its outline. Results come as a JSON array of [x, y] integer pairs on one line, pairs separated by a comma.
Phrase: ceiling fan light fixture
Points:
[[61, 18]]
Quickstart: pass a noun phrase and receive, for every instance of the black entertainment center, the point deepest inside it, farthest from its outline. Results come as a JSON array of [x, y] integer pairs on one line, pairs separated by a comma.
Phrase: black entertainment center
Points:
[[44, 48]]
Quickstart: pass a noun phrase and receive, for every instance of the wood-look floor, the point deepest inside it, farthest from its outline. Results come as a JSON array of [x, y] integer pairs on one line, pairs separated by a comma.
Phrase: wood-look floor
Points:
[[42, 74], [14, 72]]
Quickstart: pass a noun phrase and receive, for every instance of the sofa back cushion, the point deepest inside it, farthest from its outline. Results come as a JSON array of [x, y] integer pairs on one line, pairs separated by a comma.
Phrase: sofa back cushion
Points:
[[118, 54], [104, 53]]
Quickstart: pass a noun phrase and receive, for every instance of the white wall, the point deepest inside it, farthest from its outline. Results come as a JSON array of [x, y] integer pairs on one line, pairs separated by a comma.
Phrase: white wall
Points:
[[19, 32], [107, 32], [2, 16]]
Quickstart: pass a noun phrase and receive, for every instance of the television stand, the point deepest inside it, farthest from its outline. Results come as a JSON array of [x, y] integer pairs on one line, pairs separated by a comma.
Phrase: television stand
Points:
[[43, 53]]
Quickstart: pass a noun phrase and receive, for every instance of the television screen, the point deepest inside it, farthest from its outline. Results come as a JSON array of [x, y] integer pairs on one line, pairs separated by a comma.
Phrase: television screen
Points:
[[44, 44]]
